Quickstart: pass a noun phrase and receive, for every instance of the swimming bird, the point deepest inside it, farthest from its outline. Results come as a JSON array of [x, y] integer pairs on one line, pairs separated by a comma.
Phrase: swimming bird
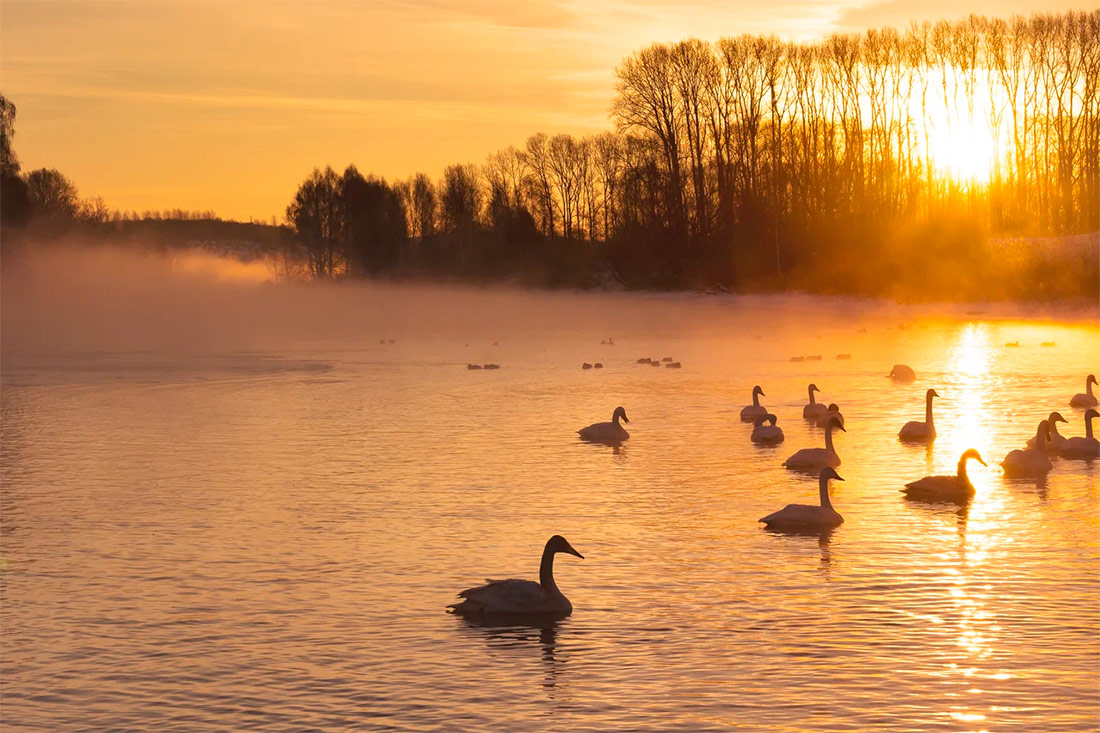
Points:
[[902, 373], [607, 432], [762, 433], [814, 459], [805, 515], [814, 410], [1086, 447], [755, 410], [921, 432], [1032, 461], [520, 597], [955, 488], [1056, 440], [1087, 398], [586, 365], [833, 410]]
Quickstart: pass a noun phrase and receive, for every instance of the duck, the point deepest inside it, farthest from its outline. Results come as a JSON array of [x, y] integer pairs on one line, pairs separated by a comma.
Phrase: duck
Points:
[[833, 410], [1056, 440], [915, 431], [755, 410], [805, 515], [762, 433], [598, 365], [643, 360], [955, 488], [473, 366], [1086, 447], [1031, 461], [586, 365], [902, 373], [1087, 398], [814, 410], [514, 597], [674, 365], [814, 459], [607, 432]]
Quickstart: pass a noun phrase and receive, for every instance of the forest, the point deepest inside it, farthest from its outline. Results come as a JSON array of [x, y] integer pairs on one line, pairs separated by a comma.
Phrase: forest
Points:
[[934, 162]]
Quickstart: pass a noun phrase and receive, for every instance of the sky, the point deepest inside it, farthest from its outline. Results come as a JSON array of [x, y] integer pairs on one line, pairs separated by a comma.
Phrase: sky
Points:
[[227, 105]]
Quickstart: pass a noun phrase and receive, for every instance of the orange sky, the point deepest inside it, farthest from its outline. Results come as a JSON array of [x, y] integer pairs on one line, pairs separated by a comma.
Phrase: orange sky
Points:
[[228, 104]]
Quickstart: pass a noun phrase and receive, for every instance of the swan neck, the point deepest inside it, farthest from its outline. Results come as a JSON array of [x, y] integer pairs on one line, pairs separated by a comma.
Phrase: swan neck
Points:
[[546, 570], [1088, 428], [823, 487], [928, 410], [829, 438], [812, 397], [1088, 387], [756, 398], [962, 471], [615, 419]]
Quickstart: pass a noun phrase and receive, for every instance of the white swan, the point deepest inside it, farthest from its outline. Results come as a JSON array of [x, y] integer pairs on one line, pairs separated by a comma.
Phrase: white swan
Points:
[[902, 373], [1086, 447], [754, 410], [1086, 398], [1032, 461], [921, 432], [955, 488], [805, 515], [762, 433], [607, 432], [1056, 439], [814, 410], [517, 597], [815, 459], [832, 411]]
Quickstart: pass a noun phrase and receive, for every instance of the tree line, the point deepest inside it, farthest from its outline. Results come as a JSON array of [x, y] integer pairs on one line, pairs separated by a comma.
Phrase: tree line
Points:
[[753, 162]]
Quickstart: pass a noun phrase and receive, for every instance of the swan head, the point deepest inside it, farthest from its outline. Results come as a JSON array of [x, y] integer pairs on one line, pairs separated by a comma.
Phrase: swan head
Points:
[[1056, 417], [757, 422], [557, 543], [1091, 380], [833, 407], [1044, 430], [834, 422], [757, 391], [971, 453], [619, 412], [813, 388], [931, 393], [1090, 414], [830, 473], [771, 418]]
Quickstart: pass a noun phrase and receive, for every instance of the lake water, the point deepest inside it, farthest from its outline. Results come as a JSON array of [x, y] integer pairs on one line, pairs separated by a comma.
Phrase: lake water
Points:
[[233, 533]]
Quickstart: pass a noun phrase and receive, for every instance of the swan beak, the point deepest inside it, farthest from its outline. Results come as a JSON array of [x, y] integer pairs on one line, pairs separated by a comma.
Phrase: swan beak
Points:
[[842, 427], [626, 419], [571, 551], [837, 478], [979, 459]]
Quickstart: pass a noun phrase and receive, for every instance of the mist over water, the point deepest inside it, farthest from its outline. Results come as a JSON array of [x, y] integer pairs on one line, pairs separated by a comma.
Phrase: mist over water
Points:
[[226, 504]]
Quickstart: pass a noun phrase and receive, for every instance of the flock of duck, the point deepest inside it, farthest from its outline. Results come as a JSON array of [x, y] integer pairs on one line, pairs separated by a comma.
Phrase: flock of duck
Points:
[[512, 598]]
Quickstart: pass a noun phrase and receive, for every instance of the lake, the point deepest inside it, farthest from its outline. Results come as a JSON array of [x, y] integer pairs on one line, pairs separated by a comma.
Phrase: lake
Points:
[[230, 506]]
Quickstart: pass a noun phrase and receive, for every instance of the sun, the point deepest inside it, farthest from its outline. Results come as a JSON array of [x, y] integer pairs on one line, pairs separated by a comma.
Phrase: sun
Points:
[[964, 150]]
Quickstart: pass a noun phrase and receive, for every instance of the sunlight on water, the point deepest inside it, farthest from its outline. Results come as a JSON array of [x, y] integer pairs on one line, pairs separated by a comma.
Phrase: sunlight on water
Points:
[[267, 538]]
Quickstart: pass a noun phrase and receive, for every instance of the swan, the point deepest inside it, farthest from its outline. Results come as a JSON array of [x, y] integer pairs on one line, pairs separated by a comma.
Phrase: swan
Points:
[[755, 410], [586, 365], [814, 459], [1032, 461], [607, 432], [1087, 398], [832, 411], [674, 365], [921, 432], [514, 597], [902, 373], [804, 515], [955, 488], [1056, 440], [814, 410], [1086, 447], [762, 433]]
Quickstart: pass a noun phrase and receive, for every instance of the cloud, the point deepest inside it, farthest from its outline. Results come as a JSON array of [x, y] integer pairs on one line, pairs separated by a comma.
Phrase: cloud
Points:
[[901, 12]]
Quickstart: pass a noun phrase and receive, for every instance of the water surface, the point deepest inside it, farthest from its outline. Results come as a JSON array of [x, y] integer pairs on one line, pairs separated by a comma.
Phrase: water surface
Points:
[[266, 537]]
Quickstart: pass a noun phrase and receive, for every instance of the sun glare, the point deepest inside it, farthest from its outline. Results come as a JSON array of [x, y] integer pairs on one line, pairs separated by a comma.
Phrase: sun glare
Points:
[[964, 151]]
